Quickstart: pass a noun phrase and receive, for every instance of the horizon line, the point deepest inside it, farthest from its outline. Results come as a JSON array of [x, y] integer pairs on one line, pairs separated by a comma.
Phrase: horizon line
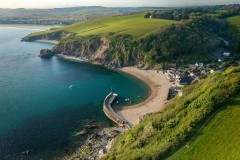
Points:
[[126, 6]]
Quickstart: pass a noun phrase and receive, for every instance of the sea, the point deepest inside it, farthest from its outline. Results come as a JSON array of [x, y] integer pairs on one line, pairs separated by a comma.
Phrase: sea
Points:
[[45, 102]]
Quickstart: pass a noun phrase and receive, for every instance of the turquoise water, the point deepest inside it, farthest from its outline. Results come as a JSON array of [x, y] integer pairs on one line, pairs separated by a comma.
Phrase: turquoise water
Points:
[[38, 111]]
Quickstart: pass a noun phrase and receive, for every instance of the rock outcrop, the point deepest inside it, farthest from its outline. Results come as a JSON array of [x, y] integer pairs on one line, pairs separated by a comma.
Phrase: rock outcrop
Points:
[[48, 36], [110, 51], [88, 49], [46, 53]]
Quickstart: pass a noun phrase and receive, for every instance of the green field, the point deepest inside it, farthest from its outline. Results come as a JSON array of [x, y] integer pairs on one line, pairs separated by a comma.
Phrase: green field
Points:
[[219, 139], [134, 24], [235, 20]]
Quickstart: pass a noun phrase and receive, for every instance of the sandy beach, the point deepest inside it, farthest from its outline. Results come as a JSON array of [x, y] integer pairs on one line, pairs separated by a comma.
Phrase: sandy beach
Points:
[[79, 59], [71, 58], [29, 26], [48, 41], [159, 85]]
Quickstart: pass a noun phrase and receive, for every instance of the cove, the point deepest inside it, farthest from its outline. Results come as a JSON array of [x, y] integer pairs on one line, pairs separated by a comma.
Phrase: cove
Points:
[[39, 111]]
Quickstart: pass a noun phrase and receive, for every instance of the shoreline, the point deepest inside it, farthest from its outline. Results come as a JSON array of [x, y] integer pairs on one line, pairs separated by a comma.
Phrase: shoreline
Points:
[[71, 58], [47, 41], [77, 59], [159, 86], [29, 26]]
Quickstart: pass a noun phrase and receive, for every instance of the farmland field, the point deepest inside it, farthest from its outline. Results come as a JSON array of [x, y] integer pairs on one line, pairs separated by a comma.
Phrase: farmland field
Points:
[[134, 24]]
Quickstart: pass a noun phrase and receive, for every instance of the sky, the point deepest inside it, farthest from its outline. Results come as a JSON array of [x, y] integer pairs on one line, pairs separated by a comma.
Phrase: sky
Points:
[[108, 3]]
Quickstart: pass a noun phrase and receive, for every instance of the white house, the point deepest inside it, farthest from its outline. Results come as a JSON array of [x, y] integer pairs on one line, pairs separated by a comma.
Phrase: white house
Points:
[[227, 54], [199, 64]]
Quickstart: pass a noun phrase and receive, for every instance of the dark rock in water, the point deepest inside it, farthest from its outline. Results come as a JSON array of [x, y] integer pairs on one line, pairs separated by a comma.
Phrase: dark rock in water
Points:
[[25, 152], [46, 53], [92, 126], [91, 122], [81, 133], [94, 136]]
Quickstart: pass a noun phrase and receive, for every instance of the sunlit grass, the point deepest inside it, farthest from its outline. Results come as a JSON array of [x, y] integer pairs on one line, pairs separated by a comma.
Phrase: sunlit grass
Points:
[[220, 139], [135, 25], [235, 20]]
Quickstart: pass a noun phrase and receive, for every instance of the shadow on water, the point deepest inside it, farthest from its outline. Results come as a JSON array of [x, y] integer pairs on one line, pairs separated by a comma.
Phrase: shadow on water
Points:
[[46, 136], [85, 70]]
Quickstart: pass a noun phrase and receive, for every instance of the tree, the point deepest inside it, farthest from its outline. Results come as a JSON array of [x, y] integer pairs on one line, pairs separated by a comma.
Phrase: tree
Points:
[[147, 15]]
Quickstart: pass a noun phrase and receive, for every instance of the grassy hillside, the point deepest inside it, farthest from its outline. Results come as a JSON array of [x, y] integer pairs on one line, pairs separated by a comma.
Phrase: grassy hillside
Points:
[[159, 135], [235, 20], [219, 139], [134, 24]]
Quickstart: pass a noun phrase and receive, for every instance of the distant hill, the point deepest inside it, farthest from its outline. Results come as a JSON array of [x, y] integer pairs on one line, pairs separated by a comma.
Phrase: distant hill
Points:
[[4, 12], [71, 11]]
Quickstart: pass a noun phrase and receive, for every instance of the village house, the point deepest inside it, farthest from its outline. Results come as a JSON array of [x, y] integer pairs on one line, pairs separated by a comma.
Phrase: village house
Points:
[[227, 54], [184, 81], [199, 64], [170, 75]]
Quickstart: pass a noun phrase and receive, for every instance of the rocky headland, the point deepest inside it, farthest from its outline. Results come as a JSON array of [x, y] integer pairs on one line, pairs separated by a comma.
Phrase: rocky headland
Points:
[[111, 51], [46, 53]]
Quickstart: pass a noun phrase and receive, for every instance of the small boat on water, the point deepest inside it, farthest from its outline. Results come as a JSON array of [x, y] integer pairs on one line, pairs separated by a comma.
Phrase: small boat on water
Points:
[[127, 99], [70, 87]]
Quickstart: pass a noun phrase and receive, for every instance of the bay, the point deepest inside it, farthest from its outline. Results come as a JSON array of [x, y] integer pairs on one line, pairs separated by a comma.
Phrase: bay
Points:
[[38, 110]]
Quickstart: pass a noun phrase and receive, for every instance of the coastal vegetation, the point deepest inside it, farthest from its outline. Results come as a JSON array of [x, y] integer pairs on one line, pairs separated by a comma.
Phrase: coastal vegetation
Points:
[[221, 131], [160, 134]]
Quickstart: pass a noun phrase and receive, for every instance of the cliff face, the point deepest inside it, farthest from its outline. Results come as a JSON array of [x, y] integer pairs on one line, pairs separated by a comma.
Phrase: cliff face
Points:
[[111, 52], [46, 53], [89, 49]]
